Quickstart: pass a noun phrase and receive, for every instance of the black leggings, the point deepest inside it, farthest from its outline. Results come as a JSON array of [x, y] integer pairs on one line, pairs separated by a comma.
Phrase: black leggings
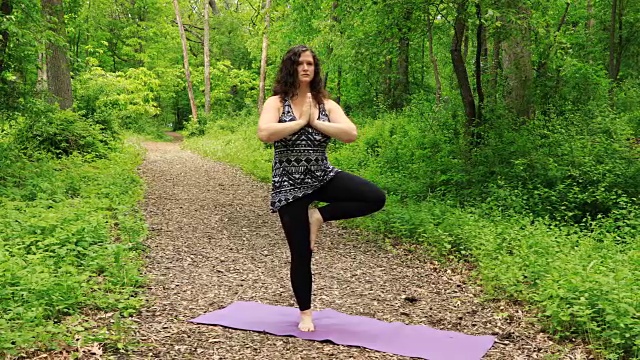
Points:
[[347, 196]]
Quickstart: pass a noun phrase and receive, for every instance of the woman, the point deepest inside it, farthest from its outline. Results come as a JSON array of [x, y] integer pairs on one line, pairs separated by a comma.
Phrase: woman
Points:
[[300, 120]]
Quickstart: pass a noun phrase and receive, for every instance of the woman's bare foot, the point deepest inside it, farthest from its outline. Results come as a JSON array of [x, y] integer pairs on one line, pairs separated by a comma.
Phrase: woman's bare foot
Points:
[[315, 222], [306, 321]]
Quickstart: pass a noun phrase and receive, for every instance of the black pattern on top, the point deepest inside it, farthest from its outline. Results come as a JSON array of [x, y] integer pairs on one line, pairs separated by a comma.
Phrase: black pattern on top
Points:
[[300, 163]]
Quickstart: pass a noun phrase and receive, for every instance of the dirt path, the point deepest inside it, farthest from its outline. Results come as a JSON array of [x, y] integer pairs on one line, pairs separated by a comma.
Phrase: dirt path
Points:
[[213, 241]]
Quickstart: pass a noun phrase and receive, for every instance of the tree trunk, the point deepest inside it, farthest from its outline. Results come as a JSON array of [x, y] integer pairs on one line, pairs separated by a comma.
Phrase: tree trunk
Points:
[[434, 61], [612, 39], [496, 65], [465, 48], [389, 80], [591, 22], [422, 61], [214, 7], [58, 71], [460, 69], [41, 83], [402, 83], [263, 60], [336, 20], [207, 66], [185, 55], [620, 45], [478, 66], [518, 64], [6, 8], [332, 18]]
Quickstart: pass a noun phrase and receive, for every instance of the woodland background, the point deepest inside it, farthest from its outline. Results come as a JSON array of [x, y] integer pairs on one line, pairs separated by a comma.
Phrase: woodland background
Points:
[[506, 134]]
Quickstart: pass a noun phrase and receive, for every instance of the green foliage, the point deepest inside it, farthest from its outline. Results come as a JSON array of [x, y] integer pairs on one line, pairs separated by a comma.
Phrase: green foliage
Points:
[[571, 169], [46, 130], [119, 101], [69, 245], [233, 91], [235, 141], [413, 155]]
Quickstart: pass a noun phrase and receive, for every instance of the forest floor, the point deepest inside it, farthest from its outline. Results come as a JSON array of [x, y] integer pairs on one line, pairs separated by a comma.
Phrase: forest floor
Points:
[[213, 241]]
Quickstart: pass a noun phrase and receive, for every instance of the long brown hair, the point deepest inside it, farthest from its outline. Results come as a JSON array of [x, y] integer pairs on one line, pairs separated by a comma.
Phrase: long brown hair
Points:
[[286, 84]]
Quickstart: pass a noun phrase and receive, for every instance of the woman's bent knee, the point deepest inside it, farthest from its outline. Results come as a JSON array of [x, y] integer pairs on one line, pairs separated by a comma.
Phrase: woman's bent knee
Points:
[[379, 199]]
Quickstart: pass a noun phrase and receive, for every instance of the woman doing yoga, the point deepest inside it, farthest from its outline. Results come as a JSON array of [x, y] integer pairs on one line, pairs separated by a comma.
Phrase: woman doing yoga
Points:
[[300, 120]]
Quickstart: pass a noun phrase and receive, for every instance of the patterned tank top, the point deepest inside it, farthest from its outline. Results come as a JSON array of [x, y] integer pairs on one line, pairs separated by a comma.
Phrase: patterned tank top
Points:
[[300, 163]]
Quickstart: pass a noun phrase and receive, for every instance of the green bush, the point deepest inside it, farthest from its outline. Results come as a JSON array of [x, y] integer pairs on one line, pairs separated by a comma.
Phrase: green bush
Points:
[[569, 169], [119, 101], [70, 233], [46, 130]]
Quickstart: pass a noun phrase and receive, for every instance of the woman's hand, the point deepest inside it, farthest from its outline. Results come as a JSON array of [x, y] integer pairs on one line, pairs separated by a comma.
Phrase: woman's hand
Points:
[[306, 111], [339, 125], [269, 127]]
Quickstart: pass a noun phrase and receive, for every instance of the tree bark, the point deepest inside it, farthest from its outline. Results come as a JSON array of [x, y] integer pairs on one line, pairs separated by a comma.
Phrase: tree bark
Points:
[[58, 71], [263, 60], [207, 65], [41, 83], [402, 83], [612, 39], [478, 65], [620, 45], [591, 22], [460, 69], [6, 8], [465, 50], [334, 20], [434, 61], [214, 7], [496, 65], [185, 55], [399, 92], [518, 63]]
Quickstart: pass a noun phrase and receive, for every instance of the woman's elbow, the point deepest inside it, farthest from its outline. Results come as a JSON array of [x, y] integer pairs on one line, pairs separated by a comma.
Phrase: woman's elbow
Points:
[[351, 136], [264, 136]]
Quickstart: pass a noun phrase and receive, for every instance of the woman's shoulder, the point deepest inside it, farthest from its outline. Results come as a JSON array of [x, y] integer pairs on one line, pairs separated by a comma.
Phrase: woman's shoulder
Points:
[[274, 99], [330, 104]]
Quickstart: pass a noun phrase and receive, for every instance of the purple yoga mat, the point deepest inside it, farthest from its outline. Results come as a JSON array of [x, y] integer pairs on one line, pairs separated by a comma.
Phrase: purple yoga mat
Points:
[[395, 338]]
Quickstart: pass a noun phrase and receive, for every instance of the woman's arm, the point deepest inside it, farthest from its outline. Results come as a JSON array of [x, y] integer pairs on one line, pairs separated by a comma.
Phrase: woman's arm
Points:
[[269, 129], [339, 127]]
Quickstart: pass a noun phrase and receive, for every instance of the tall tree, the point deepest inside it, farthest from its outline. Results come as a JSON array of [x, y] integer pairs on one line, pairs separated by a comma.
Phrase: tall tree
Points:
[[214, 7], [616, 48], [612, 39], [6, 8], [432, 56], [185, 56], [401, 88], [207, 66], [591, 21], [460, 69], [517, 59], [478, 62], [263, 60], [57, 62]]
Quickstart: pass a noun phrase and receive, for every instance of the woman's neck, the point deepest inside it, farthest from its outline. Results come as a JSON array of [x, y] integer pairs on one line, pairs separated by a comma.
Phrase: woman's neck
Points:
[[303, 90]]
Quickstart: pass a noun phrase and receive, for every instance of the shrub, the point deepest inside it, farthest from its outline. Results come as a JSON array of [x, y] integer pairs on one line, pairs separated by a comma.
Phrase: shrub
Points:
[[70, 234], [47, 130], [119, 101]]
